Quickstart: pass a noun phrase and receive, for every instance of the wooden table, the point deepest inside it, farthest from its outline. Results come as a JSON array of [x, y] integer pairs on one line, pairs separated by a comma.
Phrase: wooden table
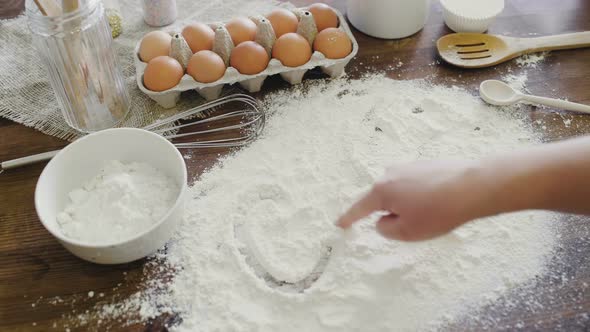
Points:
[[34, 268]]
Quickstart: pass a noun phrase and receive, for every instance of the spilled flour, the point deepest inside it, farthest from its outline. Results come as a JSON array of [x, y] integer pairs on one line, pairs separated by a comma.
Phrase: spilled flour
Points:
[[324, 144], [321, 149], [531, 60], [517, 82]]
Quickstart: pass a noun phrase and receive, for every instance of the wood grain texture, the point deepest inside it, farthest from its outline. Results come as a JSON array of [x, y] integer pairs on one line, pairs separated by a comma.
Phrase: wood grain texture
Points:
[[11, 8], [478, 50], [36, 272]]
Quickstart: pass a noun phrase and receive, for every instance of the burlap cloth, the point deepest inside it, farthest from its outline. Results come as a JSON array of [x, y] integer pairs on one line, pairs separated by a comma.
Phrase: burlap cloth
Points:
[[27, 98]]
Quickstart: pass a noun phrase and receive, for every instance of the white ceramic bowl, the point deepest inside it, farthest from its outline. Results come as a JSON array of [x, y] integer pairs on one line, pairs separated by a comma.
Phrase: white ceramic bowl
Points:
[[471, 16], [82, 160]]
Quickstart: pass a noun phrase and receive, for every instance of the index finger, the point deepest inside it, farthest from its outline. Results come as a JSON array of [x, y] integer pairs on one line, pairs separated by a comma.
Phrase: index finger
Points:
[[369, 203]]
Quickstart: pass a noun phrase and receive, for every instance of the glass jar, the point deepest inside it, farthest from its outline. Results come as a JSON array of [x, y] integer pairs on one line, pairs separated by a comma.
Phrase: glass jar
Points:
[[77, 50]]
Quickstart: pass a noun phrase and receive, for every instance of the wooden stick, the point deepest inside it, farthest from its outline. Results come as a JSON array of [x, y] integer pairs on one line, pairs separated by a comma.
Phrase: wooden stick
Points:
[[48, 7], [69, 5], [78, 73]]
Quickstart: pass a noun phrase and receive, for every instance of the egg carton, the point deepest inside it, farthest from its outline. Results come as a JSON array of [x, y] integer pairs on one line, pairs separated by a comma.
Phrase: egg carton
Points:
[[252, 83]]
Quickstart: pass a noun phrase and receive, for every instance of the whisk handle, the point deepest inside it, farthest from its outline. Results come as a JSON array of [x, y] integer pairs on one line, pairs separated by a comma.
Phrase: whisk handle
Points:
[[9, 164]]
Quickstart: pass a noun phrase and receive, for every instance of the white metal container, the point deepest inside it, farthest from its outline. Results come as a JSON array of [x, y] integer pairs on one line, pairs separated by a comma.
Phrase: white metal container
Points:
[[388, 19]]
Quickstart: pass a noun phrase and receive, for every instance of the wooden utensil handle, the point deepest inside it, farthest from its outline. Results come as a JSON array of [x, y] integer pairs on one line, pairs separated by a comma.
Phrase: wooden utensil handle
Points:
[[69, 5], [558, 42], [48, 7]]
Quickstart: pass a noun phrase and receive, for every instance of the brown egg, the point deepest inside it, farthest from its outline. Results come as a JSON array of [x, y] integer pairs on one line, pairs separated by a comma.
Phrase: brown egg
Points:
[[292, 50], [206, 66], [249, 58], [162, 73], [324, 16], [283, 21], [154, 44], [198, 36], [333, 43], [241, 29]]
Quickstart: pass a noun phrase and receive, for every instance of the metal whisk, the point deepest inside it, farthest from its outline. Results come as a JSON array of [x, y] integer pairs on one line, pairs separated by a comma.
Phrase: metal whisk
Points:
[[251, 122], [251, 126]]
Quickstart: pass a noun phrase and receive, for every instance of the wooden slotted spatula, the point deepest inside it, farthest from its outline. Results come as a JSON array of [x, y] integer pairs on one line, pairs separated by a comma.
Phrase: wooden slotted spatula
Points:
[[476, 50]]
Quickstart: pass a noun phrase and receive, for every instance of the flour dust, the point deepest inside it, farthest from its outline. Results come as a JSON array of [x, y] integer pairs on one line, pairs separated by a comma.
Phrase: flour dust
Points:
[[322, 148], [324, 145]]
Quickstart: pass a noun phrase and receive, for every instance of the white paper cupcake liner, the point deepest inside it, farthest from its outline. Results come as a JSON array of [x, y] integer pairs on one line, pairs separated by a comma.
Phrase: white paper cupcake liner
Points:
[[459, 21]]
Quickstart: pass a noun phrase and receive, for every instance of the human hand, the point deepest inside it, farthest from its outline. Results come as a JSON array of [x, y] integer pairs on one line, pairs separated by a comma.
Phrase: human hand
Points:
[[423, 199]]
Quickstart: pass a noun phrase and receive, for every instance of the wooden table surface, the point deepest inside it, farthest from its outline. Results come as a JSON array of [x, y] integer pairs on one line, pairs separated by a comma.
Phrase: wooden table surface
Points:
[[34, 268]]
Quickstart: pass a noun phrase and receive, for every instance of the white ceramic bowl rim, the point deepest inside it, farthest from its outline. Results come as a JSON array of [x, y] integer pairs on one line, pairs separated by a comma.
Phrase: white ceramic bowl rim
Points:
[[179, 198]]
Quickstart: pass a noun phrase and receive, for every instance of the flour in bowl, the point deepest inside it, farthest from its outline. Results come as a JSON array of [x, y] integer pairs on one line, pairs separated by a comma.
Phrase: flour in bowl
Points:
[[120, 202]]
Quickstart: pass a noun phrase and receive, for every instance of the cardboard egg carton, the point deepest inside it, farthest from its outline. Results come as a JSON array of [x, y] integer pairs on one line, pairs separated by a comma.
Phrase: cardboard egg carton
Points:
[[253, 83]]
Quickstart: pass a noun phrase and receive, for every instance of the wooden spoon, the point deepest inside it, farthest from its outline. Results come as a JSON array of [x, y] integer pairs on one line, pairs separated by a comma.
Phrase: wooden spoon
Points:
[[476, 50], [48, 7]]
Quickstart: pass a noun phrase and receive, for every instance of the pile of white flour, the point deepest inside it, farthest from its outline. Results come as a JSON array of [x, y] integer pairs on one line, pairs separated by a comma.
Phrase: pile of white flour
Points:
[[321, 149], [324, 145], [120, 202]]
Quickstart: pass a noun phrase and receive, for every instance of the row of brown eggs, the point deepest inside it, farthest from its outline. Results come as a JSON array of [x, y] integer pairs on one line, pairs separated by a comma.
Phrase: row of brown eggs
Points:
[[248, 57]]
